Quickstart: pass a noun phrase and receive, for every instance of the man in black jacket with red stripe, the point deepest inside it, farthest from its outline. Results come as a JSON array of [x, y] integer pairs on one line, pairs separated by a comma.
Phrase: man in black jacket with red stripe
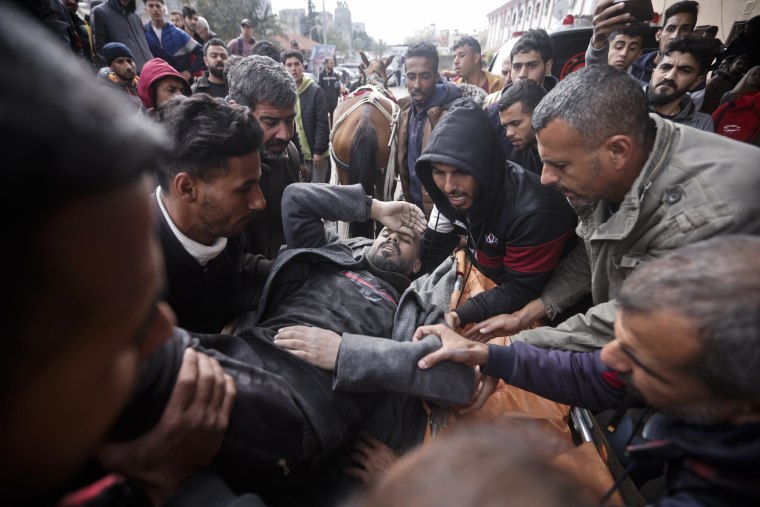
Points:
[[516, 228]]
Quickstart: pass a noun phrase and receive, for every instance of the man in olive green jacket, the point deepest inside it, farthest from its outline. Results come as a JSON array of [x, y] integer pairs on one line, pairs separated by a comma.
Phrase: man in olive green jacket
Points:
[[642, 187]]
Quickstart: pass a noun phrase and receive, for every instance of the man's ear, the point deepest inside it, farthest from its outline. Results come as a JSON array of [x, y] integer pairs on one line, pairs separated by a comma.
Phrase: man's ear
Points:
[[185, 186], [619, 149], [658, 35], [417, 266]]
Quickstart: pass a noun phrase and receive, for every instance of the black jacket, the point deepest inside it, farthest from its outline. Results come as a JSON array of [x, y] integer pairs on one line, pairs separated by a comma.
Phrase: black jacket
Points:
[[330, 84], [314, 118], [516, 229], [113, 22], [206, 298], [264, 234]]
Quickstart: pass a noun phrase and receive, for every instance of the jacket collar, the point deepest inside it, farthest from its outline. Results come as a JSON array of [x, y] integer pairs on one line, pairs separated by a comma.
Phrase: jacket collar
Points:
[[621, 224]]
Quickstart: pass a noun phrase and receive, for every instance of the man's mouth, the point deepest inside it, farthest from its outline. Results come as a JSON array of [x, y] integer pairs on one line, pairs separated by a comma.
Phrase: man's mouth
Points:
[[456, 199], [669, 84], [391, 247]]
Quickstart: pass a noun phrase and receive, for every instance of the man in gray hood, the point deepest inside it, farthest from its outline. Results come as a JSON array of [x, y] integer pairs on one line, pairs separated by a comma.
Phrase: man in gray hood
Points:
[[682, 68]]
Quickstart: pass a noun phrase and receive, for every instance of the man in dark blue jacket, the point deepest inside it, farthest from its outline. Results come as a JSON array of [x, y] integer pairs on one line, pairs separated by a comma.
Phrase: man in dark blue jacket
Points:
[[686, 344], [173, 46]]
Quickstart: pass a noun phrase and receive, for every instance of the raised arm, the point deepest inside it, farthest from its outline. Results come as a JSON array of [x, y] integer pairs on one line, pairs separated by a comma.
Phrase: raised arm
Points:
[[607, 19], [304, 205]]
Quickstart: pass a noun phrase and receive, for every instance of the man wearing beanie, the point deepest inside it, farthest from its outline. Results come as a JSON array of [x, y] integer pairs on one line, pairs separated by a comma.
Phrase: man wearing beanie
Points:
[[119, 74]]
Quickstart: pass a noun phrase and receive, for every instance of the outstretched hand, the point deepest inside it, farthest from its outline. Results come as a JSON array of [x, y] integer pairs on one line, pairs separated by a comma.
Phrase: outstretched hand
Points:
[[505, 324], [314, 345], [455, 347], [607, 18], [187, 436], [400, 216]]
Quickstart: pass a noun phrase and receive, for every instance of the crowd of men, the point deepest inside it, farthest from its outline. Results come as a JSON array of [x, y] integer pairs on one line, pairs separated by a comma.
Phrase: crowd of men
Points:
[[184, 329]]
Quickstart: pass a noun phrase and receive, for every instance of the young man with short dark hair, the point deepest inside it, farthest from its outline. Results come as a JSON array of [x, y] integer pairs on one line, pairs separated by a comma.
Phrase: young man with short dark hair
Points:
[[213, 83], [532, 58], [468, 66], [680, 19], [516, 107], [208, 192], [428, 102], [312, 122], [190, 19], [619, 48]]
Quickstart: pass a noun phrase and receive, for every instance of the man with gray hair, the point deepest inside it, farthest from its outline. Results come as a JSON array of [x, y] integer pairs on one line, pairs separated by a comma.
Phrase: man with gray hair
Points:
[[687, 344], [266, 87], [641, 185]]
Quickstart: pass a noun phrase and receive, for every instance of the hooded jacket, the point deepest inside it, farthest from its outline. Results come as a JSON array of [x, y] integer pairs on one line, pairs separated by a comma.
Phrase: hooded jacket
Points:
[[688, 115], [715, 465], [108, 77], [112, 22], [516, 229], [642, 67], [154, 71]]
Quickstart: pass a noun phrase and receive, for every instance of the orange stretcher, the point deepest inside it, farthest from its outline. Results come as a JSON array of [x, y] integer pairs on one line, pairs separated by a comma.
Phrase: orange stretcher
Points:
[[590, 462]]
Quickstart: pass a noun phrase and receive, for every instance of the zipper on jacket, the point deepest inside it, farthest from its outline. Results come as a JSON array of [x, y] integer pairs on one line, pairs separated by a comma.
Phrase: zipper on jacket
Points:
[[643, 189]]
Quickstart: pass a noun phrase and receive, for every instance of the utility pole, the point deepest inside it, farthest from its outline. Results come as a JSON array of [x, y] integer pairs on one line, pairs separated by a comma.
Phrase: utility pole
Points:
[[324, 23]]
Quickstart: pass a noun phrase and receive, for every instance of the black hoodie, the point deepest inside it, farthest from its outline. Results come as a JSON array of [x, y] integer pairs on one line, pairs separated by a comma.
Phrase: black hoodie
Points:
[[516, 229]]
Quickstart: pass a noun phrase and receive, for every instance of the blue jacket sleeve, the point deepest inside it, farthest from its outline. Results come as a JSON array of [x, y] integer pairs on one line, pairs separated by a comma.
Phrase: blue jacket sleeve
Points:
[[580, 379]]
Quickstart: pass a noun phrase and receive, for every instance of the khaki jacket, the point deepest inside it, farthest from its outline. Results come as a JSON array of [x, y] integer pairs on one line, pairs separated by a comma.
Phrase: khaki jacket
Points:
[[694, 185]]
